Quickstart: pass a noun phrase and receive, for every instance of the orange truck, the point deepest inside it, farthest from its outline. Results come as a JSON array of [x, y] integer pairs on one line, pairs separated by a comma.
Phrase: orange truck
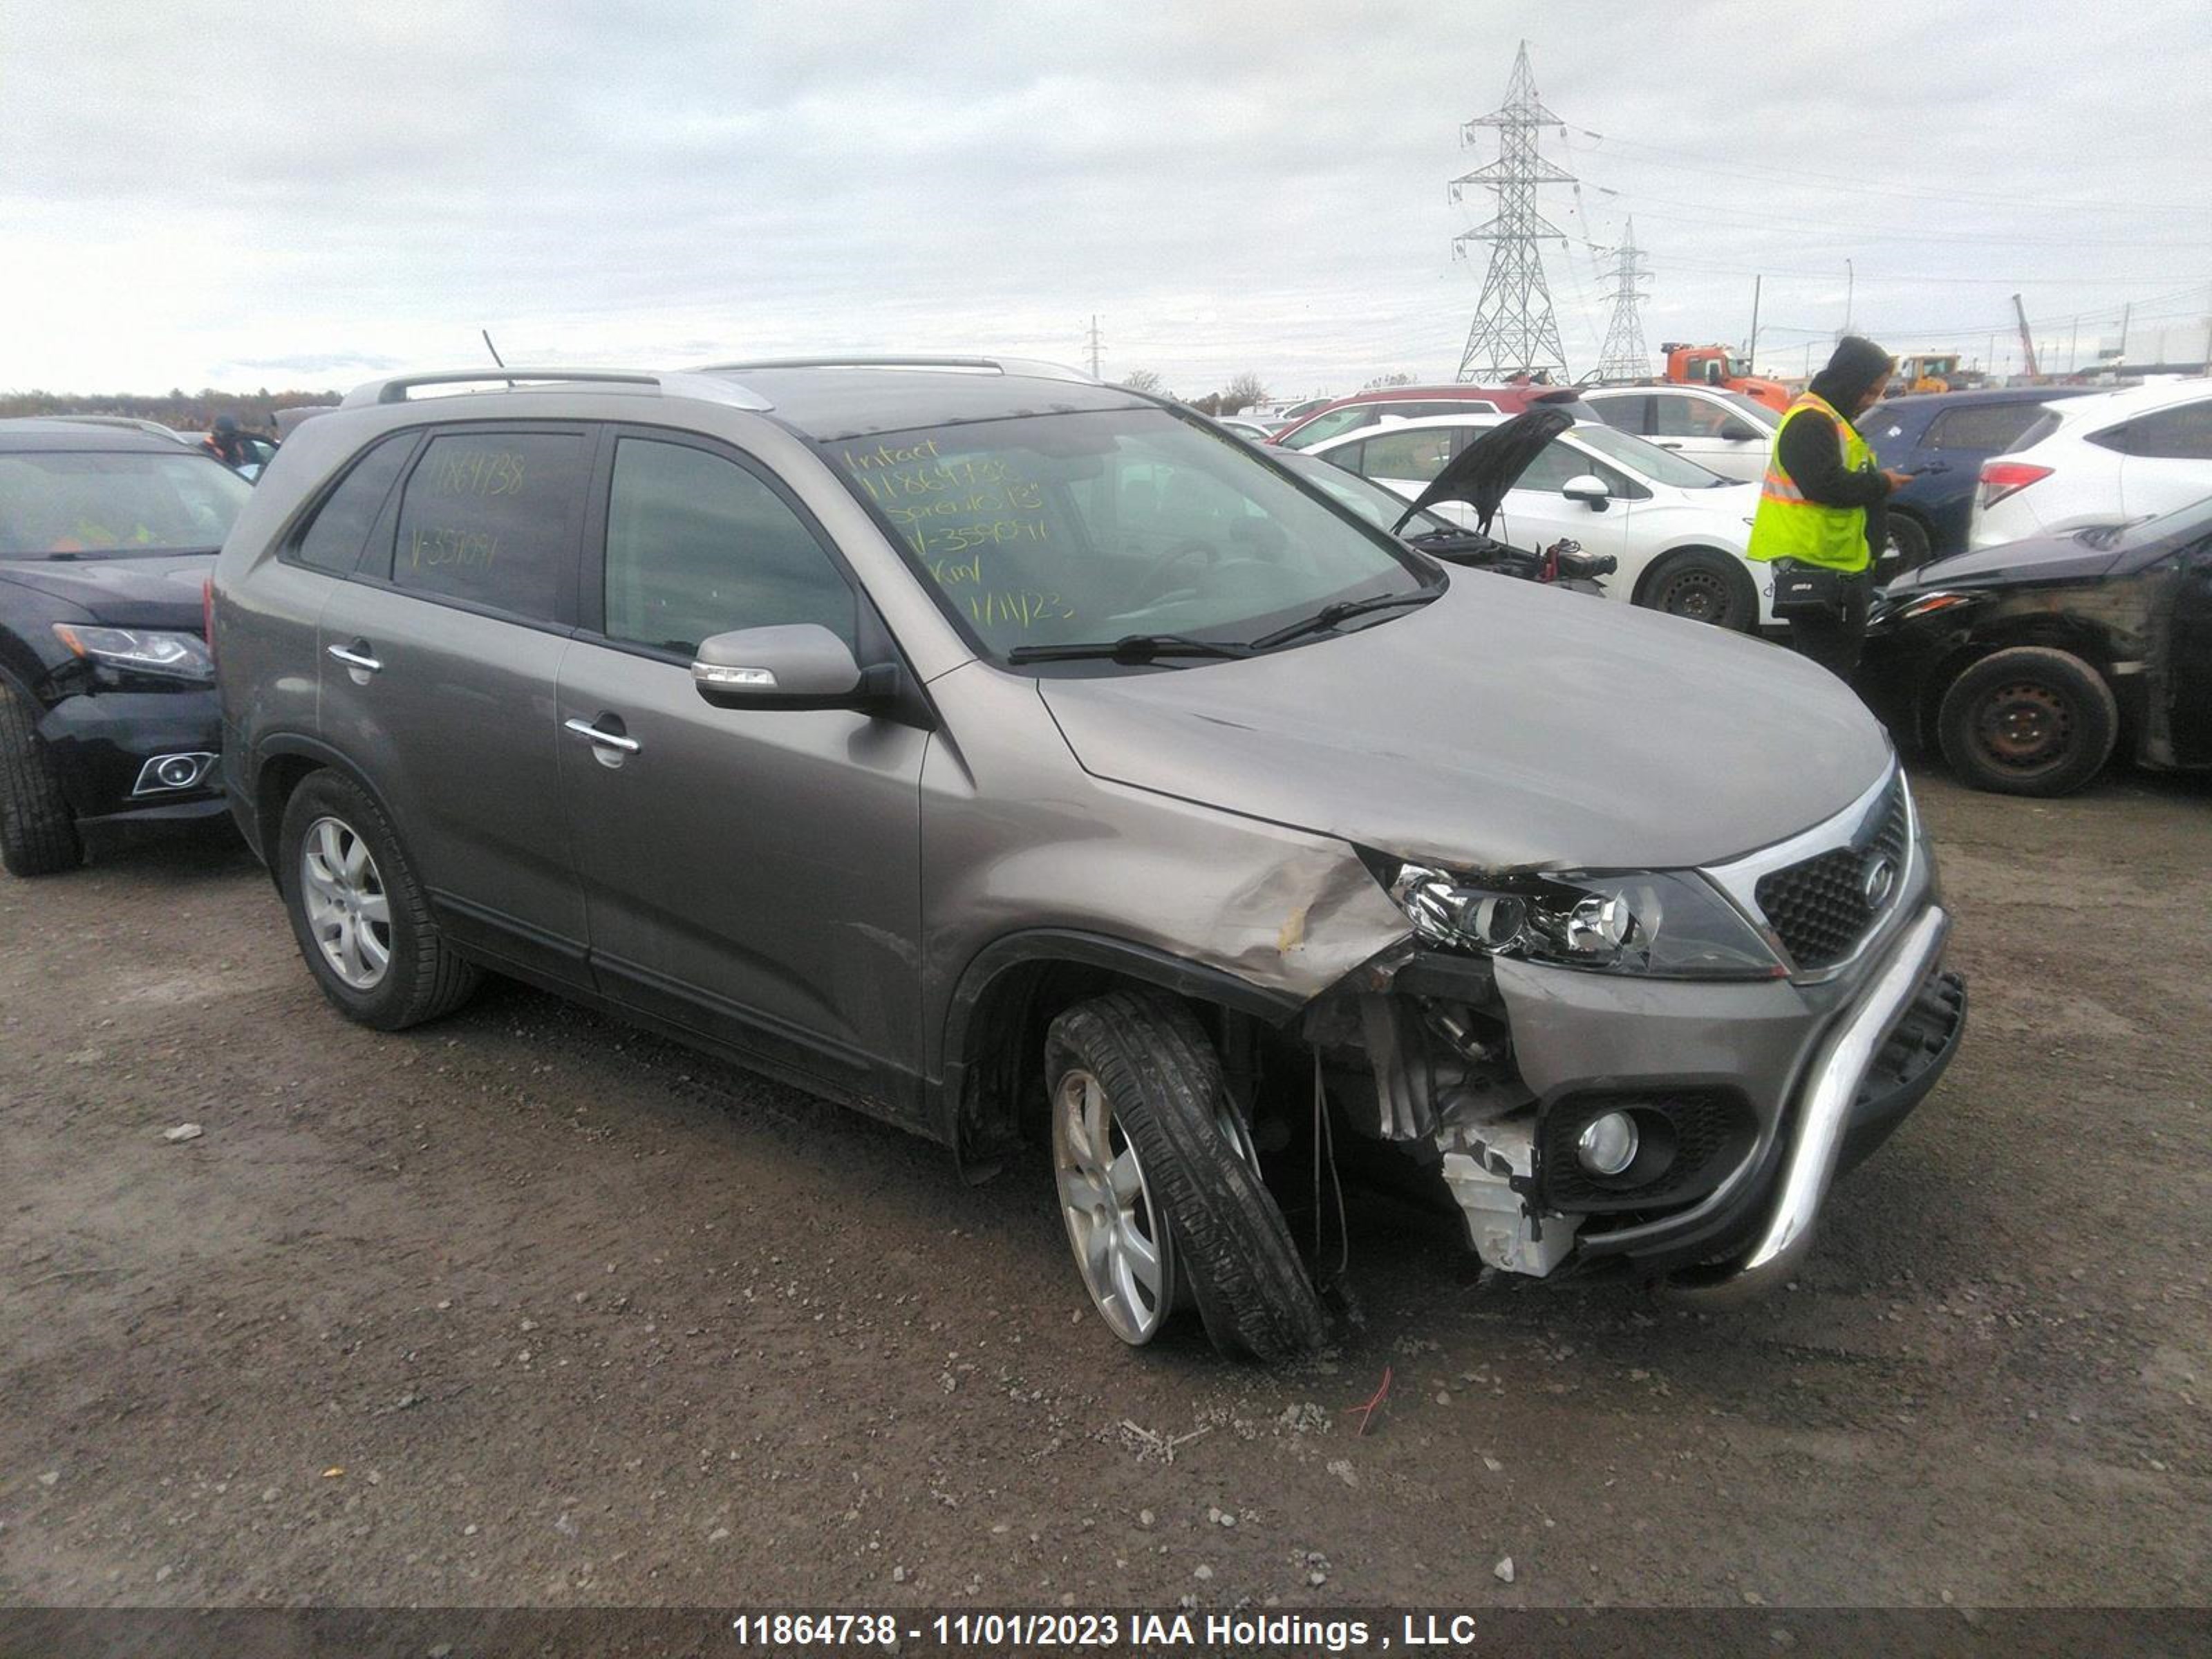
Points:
[[1713, 365]]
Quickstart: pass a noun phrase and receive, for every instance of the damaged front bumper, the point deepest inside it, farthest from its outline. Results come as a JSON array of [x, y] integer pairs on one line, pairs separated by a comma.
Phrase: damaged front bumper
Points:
[[1836, 1097], [1750, 1097]]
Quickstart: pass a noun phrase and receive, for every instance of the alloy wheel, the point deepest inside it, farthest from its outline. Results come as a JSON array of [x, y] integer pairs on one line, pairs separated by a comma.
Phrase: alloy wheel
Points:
[[1118, 1231], [349, 913]]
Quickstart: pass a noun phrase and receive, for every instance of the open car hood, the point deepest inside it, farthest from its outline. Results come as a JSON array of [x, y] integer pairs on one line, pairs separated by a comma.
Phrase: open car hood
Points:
[[1480, 474]]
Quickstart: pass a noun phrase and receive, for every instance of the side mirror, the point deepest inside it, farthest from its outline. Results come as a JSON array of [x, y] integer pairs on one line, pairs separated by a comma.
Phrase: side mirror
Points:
[[1588, 489], [795, 665]]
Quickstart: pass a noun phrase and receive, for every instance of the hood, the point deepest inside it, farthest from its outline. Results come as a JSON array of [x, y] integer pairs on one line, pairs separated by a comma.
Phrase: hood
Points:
[[1504, 725], [1480, 474], [162, 591], [2039, 558]]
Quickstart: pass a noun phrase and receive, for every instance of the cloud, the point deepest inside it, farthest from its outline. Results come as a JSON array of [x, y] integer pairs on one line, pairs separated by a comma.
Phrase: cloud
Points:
[[191, 191]]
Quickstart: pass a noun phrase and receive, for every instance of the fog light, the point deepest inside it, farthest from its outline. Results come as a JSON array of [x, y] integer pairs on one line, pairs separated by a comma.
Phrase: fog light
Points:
[[178, 771], [1607, 1144]]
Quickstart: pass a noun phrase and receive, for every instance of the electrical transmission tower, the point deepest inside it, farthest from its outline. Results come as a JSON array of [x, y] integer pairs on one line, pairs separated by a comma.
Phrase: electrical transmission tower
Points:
[[1624, 357], [1514, 330], [1095, 346]]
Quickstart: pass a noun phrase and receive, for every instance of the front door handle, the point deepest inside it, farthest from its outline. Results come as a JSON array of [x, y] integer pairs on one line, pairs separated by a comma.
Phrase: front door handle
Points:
[[1664, 443], [592, 733], [355, 655]]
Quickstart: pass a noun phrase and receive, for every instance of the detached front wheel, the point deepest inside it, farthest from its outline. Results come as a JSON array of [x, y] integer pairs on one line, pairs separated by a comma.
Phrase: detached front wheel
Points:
[[1159, 1187], [2031, 720]]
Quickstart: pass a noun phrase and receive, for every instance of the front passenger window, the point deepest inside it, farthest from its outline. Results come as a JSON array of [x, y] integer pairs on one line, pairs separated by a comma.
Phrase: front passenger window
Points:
[[698, 546]]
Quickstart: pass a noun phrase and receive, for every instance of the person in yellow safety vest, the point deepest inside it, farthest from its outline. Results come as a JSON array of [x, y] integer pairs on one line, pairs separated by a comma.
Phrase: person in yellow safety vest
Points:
[[1822, 501]]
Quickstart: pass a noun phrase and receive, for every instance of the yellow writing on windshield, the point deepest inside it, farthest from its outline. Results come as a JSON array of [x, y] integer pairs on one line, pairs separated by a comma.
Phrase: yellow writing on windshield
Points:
[[1023, 608]]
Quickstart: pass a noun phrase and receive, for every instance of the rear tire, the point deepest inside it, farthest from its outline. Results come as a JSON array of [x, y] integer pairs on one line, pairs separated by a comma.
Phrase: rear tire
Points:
[[1188, 1180], [1908, 548], [361, 918], [1704, 584], [2031, 720], [37, 830]]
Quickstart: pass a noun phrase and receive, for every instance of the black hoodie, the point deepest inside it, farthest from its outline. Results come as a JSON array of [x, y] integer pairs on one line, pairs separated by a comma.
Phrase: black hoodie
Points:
[[1810, 452]]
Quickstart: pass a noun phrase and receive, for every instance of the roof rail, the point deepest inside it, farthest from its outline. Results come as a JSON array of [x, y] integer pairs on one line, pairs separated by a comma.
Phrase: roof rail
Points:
[[1030, 366], [521, 377]]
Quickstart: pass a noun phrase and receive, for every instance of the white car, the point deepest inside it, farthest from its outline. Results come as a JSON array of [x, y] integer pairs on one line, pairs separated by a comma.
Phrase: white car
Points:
[[1725, 431], [2106, 459], [1677, 530]]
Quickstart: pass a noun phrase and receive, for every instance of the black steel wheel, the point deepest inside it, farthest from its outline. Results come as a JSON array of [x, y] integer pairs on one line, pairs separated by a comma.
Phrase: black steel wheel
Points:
[[1704, 585], [2030, 720]]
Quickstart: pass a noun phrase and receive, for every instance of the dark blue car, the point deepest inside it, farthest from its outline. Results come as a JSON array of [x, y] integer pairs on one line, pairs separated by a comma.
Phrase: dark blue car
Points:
[[1952, 433]]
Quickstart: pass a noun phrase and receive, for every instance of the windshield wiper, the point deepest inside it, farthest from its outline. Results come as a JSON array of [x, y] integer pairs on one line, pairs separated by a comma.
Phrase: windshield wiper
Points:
[[1329, 616], [1129, 648]]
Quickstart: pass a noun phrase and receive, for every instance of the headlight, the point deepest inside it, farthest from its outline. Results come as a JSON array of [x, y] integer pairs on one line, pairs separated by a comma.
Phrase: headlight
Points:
[[139, 650], [1661, 924], [1897, 605]]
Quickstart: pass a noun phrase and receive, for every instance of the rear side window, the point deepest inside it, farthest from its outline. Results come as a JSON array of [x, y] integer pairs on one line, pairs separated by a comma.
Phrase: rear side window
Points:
[[1322, 427], [1415, 455], [1625, 413], [333, 538], [1990, 429], [698, 546], [486, 518], [2180, 433]]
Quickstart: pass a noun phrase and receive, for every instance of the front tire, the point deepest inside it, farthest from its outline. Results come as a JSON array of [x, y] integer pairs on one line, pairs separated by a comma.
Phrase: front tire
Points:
[[1704, 585], [361, 918], [1158, 1187], [38, 832], [2031, 720]]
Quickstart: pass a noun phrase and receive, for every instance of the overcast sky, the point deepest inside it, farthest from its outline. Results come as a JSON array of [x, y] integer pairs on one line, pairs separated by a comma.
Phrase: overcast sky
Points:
[[248, 195]]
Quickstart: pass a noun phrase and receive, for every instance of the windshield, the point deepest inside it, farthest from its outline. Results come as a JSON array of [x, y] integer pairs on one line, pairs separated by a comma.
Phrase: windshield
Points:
[[92, 503], [1057, 529], [1381, 508], [1647, 461]]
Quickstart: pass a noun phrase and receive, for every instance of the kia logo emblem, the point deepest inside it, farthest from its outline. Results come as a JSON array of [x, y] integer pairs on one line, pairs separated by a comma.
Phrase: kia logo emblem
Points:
[[1876, 880]]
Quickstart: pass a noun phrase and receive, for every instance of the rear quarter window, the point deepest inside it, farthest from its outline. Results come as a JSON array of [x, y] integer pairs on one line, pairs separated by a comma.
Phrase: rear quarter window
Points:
[[332, 539], [488, 519], [1988, 429]]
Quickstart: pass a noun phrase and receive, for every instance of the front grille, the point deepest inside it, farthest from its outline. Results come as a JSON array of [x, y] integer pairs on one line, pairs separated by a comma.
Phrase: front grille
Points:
[[1818, 907], [1698, 1135]]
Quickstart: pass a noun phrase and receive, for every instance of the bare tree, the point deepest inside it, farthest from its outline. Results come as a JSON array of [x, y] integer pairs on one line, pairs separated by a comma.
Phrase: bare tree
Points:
[[1243, 391], [1141, 380], [1396, 377]]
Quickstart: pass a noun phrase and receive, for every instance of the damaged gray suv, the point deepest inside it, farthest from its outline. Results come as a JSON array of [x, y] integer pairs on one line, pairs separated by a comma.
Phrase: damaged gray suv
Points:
[[1021, 759]]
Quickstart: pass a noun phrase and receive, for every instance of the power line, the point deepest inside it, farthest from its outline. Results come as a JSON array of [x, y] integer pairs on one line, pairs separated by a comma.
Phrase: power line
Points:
[[1762, 172], [1876, 233]]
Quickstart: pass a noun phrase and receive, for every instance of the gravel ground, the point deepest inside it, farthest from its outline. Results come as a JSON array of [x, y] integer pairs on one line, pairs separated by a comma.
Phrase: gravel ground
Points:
[[527, 1307]]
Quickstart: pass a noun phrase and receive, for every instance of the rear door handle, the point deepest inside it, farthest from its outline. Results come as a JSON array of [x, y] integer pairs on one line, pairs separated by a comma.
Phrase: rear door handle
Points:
[[1664, 445], [355, 655], [592, 733]]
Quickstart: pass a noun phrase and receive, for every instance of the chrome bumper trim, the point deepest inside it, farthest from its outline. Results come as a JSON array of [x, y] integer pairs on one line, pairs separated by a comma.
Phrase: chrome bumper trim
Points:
[[1833, 1084]]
